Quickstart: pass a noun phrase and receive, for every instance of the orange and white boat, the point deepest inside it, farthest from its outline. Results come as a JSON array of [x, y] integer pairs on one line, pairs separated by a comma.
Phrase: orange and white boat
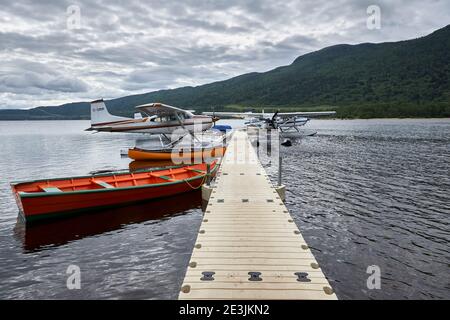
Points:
[[176, 154], [51, 198]]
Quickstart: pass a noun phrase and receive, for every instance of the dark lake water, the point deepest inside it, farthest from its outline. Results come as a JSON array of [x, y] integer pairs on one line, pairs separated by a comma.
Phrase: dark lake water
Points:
[[363, 192]]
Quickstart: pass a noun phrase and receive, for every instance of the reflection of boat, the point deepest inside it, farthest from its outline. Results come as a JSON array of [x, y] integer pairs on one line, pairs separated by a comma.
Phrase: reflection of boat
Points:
[[174, 154], [59, 232], [49, 198]]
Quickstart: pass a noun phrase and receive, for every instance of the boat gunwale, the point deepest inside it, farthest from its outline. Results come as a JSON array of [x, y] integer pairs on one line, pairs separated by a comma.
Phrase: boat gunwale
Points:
[[170, 150], [23, 194], [118, 172]]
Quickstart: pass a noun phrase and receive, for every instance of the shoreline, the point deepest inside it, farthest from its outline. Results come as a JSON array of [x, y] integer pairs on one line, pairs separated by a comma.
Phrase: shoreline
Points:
[[329, 119]]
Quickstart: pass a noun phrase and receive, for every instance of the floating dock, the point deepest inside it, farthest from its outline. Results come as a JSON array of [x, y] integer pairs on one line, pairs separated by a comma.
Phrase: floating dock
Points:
[[248, 246]]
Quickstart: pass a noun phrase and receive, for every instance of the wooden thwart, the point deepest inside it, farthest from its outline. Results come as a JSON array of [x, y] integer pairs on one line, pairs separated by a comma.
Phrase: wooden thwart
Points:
[[103, 184], [248, 246], [50, 189]]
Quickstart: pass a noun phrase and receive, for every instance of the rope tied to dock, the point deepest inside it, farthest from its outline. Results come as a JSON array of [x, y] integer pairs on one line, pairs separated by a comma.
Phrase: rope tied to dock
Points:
[[199, 186]]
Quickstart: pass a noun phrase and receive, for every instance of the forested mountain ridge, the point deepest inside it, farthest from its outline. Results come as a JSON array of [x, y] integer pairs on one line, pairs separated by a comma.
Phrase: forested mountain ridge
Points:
[[397, 79]]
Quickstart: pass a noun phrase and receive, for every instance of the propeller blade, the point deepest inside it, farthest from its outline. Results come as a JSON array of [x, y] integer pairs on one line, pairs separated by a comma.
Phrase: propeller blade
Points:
[[275, 114], [272, 121]]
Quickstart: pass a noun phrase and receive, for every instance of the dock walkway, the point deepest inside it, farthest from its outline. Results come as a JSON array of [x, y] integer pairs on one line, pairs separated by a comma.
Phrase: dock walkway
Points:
[[248, 246]]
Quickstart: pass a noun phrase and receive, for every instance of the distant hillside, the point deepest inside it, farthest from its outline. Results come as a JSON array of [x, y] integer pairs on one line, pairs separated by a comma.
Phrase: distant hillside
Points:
[[398, 79]]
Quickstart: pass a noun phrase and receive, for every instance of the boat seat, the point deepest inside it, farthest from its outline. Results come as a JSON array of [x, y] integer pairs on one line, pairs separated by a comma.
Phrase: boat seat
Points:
[[50, 189], [196, 170], [162, 177], [103, 184], [165, 178]]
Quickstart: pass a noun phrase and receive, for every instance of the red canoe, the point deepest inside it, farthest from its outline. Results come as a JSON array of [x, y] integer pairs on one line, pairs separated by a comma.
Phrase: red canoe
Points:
[[51, 198]]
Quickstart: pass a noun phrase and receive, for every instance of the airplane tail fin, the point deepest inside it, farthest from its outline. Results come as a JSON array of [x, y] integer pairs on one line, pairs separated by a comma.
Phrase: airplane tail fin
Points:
[[100, 114]]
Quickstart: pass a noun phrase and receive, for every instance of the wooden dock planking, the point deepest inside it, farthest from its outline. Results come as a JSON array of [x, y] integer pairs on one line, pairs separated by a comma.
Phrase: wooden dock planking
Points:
[[247, 228]]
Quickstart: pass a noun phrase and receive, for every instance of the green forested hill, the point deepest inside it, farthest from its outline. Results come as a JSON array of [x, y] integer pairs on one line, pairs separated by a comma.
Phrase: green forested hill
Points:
[[399, 79]]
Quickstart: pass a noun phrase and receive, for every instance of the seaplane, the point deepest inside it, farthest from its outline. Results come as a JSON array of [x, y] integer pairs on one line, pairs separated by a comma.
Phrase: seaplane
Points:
[[288, 123], [176, 128], [158, 119]]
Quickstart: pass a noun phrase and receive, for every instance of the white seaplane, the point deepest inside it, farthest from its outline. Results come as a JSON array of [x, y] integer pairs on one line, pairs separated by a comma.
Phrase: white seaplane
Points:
[[159, 119], [288, 123]]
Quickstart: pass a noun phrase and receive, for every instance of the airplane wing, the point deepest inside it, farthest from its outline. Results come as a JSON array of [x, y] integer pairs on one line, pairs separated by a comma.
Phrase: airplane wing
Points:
[[270, 115], [233, 114], [160, 109], [306, 114]]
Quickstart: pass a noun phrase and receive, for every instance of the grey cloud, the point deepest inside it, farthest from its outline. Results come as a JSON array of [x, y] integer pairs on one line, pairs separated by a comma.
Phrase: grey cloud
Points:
[[124, 47], [155, 78], [213, 26], [33, 78], [296, 42], [57, 42]]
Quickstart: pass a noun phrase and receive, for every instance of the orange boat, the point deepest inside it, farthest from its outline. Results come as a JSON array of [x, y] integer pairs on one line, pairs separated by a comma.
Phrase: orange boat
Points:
[[52, 198], [202, 154]]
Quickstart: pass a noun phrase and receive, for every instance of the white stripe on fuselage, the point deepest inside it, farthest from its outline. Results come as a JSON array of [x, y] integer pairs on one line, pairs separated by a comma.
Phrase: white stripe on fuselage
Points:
[[155, 127]]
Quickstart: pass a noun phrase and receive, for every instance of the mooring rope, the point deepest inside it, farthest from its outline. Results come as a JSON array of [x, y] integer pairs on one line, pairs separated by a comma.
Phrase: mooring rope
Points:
[[195, 188]]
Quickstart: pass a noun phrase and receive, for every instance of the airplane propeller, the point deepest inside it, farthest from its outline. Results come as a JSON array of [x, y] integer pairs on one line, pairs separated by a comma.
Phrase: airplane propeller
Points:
[[214, 118], [272, 122]]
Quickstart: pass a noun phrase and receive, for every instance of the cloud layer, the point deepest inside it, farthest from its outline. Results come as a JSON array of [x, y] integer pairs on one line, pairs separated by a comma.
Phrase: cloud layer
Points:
[[129, 47]]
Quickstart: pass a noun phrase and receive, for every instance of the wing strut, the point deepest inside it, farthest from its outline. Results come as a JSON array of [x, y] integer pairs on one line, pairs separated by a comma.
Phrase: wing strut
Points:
[[182, 125]]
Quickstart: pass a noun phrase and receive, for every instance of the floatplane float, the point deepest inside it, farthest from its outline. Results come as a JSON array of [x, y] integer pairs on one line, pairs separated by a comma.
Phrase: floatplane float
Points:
[[52, 198]]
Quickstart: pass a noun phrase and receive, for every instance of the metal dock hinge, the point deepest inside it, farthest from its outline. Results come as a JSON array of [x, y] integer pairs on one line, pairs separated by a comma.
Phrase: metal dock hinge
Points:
[[254, 276], [302, 277], [207, 276]]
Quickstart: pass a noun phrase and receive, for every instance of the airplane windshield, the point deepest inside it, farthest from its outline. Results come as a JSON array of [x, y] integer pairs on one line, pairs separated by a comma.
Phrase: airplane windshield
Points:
[[166, 118]]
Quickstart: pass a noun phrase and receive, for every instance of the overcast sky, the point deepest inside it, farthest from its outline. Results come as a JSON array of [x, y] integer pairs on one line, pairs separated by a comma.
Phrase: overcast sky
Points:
[[129, 47]]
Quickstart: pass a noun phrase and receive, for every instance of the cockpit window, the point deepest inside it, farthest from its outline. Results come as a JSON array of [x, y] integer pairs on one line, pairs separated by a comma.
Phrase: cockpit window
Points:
[[172, 117]]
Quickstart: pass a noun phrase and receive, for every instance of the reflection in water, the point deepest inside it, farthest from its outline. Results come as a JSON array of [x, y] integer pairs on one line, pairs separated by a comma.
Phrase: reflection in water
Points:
[[362, 192], [55, 233]]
